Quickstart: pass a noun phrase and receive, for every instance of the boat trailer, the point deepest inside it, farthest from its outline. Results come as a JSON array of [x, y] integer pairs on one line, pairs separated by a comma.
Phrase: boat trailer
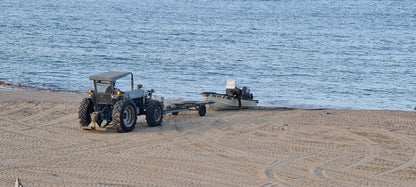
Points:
[[175, 108]]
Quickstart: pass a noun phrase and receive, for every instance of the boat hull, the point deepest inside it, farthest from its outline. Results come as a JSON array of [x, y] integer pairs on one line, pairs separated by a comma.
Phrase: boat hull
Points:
[[226, 102]]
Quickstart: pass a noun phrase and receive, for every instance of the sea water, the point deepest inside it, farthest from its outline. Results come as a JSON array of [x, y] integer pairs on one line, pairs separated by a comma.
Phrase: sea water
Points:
[[340, 54]]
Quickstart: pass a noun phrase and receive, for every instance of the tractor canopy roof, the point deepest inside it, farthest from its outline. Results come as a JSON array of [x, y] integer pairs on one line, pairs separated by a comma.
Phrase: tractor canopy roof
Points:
[[110, 76]]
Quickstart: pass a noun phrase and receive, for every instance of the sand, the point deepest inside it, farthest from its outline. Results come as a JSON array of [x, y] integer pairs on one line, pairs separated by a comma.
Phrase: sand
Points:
[[42, 144]]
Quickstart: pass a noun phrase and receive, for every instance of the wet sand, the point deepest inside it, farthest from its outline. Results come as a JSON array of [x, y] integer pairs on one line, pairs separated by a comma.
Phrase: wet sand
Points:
[[42, 144]]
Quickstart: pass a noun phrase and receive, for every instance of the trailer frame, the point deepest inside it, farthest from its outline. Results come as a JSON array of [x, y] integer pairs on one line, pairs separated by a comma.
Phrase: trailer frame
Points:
[[175, 108]]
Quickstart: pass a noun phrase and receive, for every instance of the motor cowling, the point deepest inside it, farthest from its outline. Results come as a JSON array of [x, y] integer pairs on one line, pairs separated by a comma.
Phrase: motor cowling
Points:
[[246, 94]]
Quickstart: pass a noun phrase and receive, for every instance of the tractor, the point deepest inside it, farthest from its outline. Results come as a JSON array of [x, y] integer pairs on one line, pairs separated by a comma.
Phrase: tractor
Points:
[[109, 107]]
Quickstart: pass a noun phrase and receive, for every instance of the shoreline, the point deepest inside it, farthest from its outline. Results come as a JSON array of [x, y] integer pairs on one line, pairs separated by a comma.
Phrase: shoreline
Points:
[[8, 87]]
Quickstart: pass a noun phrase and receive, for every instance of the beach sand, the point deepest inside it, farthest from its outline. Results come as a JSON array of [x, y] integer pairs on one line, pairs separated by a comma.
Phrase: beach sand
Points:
[[42, 144]]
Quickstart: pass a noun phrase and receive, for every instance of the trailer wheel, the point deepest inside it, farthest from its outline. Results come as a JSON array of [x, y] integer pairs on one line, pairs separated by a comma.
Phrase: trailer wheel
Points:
[[85, 109], [202, 110], [124, 115], [154, 113]]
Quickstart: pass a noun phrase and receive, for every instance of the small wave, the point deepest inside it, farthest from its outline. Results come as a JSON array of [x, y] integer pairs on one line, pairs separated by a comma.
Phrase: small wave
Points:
[[6, 85], [289, 104]]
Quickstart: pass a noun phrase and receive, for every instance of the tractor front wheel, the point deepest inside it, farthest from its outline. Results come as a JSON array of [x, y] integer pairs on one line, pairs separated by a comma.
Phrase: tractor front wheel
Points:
[[154, 113]]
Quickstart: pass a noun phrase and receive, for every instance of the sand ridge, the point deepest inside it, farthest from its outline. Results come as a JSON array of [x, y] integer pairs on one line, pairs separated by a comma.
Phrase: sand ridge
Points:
[[42, 144]]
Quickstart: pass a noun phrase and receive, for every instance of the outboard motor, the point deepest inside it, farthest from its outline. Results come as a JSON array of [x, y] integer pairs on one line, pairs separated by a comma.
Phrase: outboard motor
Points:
[[246, 94]]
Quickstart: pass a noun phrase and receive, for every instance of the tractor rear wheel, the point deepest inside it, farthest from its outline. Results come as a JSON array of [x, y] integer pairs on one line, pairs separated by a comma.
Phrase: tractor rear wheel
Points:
[[124, 115], [154, 113], [85, 109]]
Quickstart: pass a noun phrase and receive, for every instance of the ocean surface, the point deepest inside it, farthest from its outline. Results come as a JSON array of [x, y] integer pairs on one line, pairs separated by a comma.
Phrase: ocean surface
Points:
[[341, 54]]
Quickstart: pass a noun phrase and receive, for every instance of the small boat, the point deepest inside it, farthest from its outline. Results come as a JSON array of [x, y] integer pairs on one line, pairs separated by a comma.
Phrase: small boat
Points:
[[230, 100]]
